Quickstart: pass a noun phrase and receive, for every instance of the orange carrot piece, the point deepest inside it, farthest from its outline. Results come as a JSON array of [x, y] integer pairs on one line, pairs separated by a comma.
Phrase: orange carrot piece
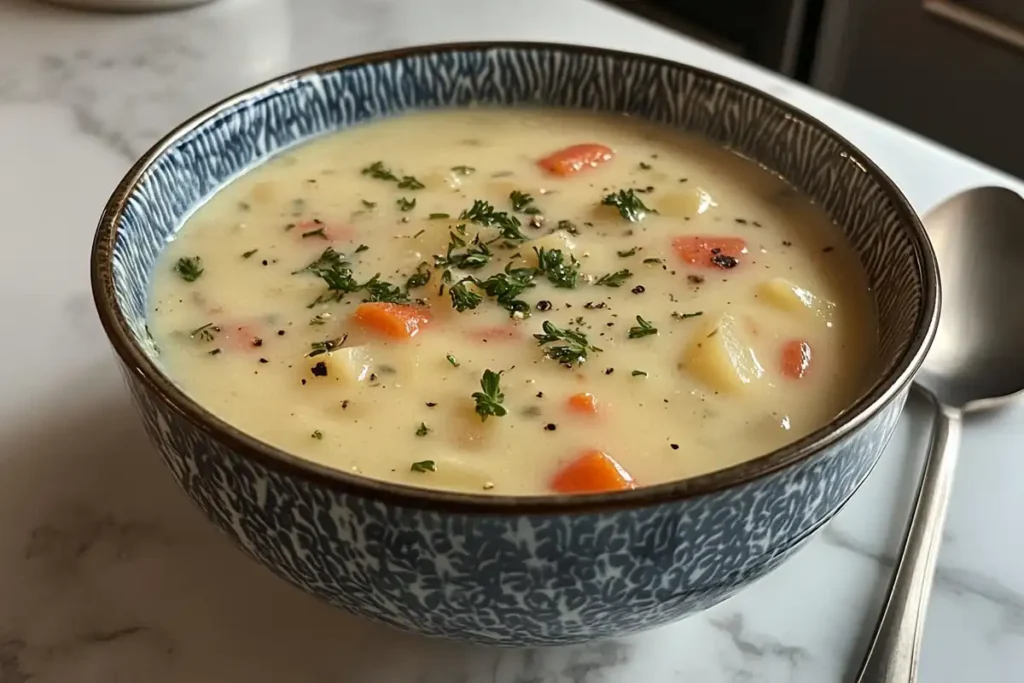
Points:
[[399, 321], [796, 359], [584, 403], [566, 162], [593, 472], [710, 252]]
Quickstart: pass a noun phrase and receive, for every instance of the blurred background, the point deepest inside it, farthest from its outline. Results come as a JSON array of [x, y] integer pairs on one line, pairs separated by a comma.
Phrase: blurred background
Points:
[[952, 70]]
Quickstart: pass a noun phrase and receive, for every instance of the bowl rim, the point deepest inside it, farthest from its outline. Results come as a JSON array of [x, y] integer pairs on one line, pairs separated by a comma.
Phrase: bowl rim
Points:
[[886, 388]]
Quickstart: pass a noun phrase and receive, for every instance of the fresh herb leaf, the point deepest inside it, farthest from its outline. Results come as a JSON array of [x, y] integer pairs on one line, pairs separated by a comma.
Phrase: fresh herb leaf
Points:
[[643, 328], [573, 352], [476, 255], [483, 213], [422, 430], [614, 279], [206, 333], [319, 232], [317, 434], [248, 254], [368, 204], [379, 171], [644, 166], [464, 170], [453, 360], [326, 346], [629, 205], [405, 204], [684, 316], [463, 299], [382, 290], [215, 352], [424, 466], [552, 263], [438, 216], [639, 373], [628, 252], [523, 203], [410, 183], [489, 399], [506, 287], [361, 248], [189, 268], [420, 278], [652, 260]]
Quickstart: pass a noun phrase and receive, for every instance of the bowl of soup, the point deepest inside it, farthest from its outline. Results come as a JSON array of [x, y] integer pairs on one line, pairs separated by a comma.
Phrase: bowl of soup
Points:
[[518, 344]]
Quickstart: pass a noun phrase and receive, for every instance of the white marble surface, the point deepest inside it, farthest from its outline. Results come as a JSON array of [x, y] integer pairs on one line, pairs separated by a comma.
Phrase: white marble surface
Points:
[[107, 573]]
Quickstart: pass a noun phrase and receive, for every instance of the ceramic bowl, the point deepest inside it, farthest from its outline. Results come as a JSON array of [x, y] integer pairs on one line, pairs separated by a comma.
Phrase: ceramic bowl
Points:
[[514, 570]]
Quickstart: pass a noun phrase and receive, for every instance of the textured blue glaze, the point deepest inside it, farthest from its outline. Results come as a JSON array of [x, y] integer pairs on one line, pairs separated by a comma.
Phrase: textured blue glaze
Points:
[[512, 579]]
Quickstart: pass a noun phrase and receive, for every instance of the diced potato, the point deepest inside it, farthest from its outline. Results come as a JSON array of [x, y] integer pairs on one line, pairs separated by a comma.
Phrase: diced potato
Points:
[[560, 240], [787, 296], [719, 356], [346, 366], [685, 203]]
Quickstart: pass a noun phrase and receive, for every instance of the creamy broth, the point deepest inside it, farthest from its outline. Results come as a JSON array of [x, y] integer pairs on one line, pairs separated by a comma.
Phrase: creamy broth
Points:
[[699, 311]]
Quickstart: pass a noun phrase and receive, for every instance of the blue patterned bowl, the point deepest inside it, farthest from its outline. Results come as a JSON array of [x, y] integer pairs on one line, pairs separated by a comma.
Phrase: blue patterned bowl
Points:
[[514, 570]]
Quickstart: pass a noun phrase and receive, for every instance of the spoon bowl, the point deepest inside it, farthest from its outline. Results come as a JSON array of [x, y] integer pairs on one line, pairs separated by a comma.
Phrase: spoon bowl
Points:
[[975, 362]]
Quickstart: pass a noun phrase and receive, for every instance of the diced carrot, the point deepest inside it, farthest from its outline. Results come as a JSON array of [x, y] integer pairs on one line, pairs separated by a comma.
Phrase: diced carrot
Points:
[[710, 252], [796, 359], [496, 333], [584, 403], [316, 231], [593, 472], [576, 158], [399, 321]]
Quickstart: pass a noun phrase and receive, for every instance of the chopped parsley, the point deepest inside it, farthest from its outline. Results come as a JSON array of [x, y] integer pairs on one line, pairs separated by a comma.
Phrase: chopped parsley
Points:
[[368, 204], [630, 206], [248, 254], [453, 360], [464, 170], [627, 253], [424, 466], [614, 279], [569, 227], [317, 434], [573, 352], [326, 346], [438, 216], [319, 232], [206, 333], [552, 263], [422, 430], [506, 287], [476, 254], [684, 316], [379, 171], [361, 248], [420, 278], [410, 183], [639, 373], [404, 204], [644, 166], [189, 268], [489, 399], [463, 298], [337, 274], [523, 203], [652, 261], [483, 213], [643, 328], [382, 290]]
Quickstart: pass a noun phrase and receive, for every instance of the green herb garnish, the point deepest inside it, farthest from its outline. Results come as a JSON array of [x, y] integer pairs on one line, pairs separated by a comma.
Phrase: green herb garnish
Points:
[[361, 248], [326, 346], [410, 183], [643, 328], [628, 252], [189, 268], [523, 203], [382, 290], [453, 360], [424, 466], [684, 316], [319, 232], [629, 205], [420, 278], [438, 216], [248, 254], [379, 171], [614, 279], [639, 373], [569, 227], [506, 287], [422, 430], [552, 263], [463, 299], [476, 254], [464, 170], [483, 213], [489, 399], [573, 352], [405, 204], [652, 260], [317, 434], [644, 166], [205, 332], [319, 319], [368, 204]]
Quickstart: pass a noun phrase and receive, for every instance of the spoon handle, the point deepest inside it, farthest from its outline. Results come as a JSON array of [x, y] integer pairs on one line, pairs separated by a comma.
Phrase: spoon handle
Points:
[[894, 651]]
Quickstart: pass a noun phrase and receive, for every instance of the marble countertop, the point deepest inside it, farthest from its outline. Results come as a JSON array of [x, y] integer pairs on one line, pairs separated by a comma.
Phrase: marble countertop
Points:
[[108, 574]]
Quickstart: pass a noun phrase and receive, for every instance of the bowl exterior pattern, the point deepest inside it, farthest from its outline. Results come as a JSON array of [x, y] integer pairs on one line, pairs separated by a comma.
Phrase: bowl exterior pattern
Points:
[[506, 578]]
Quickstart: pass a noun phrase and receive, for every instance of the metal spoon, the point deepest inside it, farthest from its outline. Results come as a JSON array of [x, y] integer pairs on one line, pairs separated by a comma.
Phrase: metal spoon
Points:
[[976, 362]]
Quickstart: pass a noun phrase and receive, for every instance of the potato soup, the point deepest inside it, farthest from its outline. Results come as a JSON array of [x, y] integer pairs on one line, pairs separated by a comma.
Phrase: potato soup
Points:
[[517, 301]]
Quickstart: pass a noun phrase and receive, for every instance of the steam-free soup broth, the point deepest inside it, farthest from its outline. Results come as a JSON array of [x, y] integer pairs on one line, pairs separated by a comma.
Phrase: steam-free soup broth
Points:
[[515, 301]]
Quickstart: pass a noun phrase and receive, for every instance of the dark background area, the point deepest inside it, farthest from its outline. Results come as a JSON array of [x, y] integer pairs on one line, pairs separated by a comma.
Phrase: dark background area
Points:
[[952, 70]]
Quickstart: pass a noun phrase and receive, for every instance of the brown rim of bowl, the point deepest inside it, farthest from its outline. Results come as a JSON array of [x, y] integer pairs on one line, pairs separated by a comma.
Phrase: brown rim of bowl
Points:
[[140, 365]]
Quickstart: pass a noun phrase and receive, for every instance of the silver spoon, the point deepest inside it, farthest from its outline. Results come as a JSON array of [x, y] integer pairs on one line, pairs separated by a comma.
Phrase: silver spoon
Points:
[[976, 362]]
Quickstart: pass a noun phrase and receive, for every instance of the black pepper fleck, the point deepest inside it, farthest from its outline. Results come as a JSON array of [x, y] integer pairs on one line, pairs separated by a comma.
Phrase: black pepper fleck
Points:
[[675, 446], [540, 394], [551, 426], [257, 341], [431, 404], [544, 305], [639, 289], [320, 369], [724, 261], [264, 360], [280, 333], [741, 221], [344, 404]]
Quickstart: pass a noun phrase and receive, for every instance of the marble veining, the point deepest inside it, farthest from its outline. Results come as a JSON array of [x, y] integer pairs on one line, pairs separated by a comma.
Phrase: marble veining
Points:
[[106, 572]]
